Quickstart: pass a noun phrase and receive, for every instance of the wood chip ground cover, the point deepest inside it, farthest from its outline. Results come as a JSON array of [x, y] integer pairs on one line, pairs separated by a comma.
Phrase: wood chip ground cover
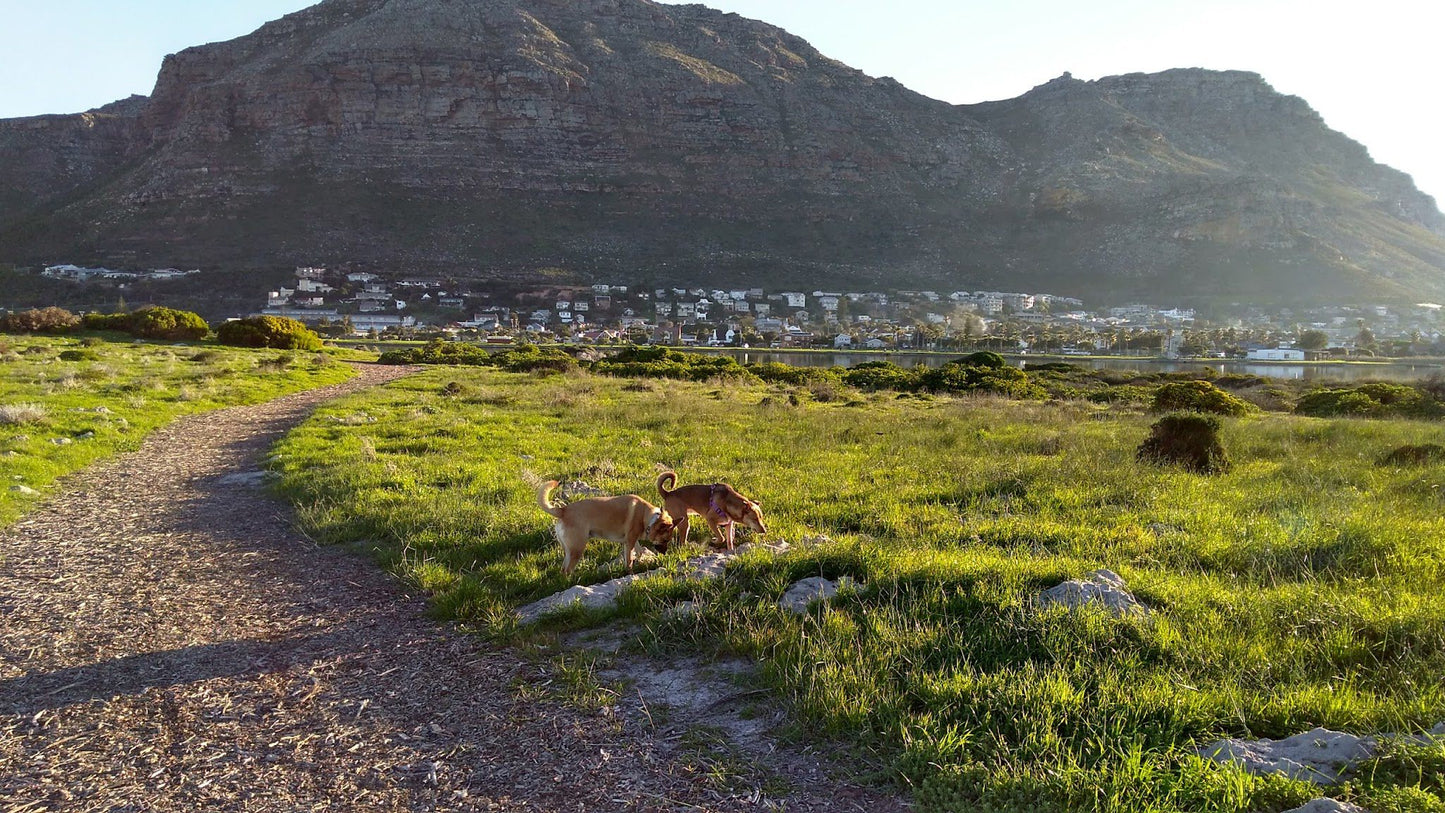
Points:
[[172, 643], [1292, 591]]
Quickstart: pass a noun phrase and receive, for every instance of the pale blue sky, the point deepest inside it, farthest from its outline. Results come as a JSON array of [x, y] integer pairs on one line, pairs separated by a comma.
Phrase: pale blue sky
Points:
[[1371, 68]]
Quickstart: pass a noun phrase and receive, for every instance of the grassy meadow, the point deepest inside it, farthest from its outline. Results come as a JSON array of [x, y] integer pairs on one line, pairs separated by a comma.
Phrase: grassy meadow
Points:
[[67, 402], [1300, 588]]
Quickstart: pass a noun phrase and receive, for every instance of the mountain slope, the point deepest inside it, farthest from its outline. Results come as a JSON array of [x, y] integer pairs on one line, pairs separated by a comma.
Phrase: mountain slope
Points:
[[625, 138]]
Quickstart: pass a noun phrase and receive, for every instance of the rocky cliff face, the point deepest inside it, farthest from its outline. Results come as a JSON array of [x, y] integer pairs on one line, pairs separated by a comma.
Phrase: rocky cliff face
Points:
[[624, 138]]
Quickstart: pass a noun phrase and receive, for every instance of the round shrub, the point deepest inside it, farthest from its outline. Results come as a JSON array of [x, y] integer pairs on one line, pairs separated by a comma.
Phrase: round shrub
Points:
[[39, 320], [1187, 440], [168, 324], [983, 358], [1197, 396], [1377, 400], [78, 355], [276, 332]]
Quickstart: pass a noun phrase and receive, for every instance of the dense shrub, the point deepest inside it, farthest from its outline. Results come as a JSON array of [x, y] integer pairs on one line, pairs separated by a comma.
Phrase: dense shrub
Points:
[[1377, 400], [1122, 394], [439, 352], [882, 375], [983, 358], [1197, 396], [778, 373], [524, 358], [1050, 367], [39, 320], [956, 377], [662, 362], [268, 331], [78, 355], [529, 358], [167, 324], [1187, 440]]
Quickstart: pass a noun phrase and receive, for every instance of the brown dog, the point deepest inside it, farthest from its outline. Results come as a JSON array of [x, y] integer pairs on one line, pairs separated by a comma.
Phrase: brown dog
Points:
[[717, 503], [618, 519]]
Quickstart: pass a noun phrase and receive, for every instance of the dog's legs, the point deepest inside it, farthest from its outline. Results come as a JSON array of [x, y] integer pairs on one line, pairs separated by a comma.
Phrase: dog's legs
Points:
[[571, 550], [680, 530], [732, 529]]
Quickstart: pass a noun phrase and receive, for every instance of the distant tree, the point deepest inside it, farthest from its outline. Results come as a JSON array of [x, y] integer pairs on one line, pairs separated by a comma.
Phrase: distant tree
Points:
[[1312, 340]]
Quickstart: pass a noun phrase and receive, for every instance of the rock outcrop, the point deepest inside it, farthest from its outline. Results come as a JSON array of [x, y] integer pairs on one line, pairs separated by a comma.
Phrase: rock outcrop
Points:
[[625, 138]]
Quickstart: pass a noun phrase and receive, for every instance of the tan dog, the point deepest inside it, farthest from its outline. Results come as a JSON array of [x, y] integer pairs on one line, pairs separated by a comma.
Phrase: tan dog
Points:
[[717, 503], [618, 519]]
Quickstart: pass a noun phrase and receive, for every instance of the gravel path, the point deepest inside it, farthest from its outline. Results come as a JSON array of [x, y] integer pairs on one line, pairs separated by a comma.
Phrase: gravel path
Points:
[[169, 642]]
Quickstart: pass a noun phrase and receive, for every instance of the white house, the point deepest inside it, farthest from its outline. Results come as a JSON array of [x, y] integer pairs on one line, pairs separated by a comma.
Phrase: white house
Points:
[[842, 340], [796, 300], [1276, 354]]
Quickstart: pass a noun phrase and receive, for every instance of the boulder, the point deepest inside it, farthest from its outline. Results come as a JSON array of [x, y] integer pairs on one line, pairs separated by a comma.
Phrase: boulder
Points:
[[1103, 587], [25, 490]]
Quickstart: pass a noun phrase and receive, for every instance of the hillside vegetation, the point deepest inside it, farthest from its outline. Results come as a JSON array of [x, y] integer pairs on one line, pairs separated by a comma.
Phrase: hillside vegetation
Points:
[[1297, 588]]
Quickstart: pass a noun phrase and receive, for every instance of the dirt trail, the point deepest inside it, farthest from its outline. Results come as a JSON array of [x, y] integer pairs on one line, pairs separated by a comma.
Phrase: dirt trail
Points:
[[169, 642]]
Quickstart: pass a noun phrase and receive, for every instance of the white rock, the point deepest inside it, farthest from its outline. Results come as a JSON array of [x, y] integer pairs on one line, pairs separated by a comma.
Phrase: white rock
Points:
[[26, 490], [591, 597], [1104, 587], [245, 479], [809, 590], [1320, 755], [1328, 806], [61, 441], [603, 595]]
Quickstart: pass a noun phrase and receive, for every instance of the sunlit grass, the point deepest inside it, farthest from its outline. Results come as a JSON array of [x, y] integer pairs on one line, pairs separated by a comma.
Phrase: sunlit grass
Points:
[[58, 416], [1301, 588]]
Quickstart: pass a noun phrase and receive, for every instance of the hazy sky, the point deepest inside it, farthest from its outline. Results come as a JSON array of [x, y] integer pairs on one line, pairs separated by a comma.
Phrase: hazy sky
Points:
[[1370, 68]]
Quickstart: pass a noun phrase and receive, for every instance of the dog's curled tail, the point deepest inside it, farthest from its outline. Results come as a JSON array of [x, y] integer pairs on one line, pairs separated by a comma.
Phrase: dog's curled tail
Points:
[[669, 477], [544, 498]]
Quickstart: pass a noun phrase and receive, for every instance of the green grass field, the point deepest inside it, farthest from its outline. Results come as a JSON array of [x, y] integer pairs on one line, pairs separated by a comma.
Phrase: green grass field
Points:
[[1301, 588], [65, 404]]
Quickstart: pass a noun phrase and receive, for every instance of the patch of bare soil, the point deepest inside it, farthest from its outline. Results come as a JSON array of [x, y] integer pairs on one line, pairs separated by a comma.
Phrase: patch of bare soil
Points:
[[170, 642]]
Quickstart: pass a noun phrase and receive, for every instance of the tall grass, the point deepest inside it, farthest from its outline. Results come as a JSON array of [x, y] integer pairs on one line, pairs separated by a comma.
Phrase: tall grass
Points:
[[1301, 588], [105, 398]]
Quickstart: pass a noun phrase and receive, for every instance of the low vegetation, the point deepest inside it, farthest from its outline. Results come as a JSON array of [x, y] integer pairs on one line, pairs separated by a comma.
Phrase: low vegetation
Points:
[[1297, 588], [64, 404], [167, 324], [276, 332]]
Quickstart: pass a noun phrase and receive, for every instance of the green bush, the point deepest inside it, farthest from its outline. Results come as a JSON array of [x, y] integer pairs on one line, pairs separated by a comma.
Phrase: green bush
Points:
[[437, 351], [39, 320], [983, 358], [776, 372], [882, 375], [1188, 440], [662, 362], [167, 324], [1197, 396], [957, 377], [1377, 400], [78, 355], [268, 331]]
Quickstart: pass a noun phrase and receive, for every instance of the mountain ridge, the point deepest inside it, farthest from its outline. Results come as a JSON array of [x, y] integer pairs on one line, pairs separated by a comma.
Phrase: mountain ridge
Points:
[[680, 143]]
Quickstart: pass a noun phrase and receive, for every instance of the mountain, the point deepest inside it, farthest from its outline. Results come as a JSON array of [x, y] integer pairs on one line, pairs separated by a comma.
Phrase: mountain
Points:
[[624, 140]]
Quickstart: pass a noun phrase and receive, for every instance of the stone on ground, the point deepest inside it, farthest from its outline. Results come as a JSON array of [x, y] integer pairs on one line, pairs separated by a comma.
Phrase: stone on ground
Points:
[[809, 590], [1103, 587]]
